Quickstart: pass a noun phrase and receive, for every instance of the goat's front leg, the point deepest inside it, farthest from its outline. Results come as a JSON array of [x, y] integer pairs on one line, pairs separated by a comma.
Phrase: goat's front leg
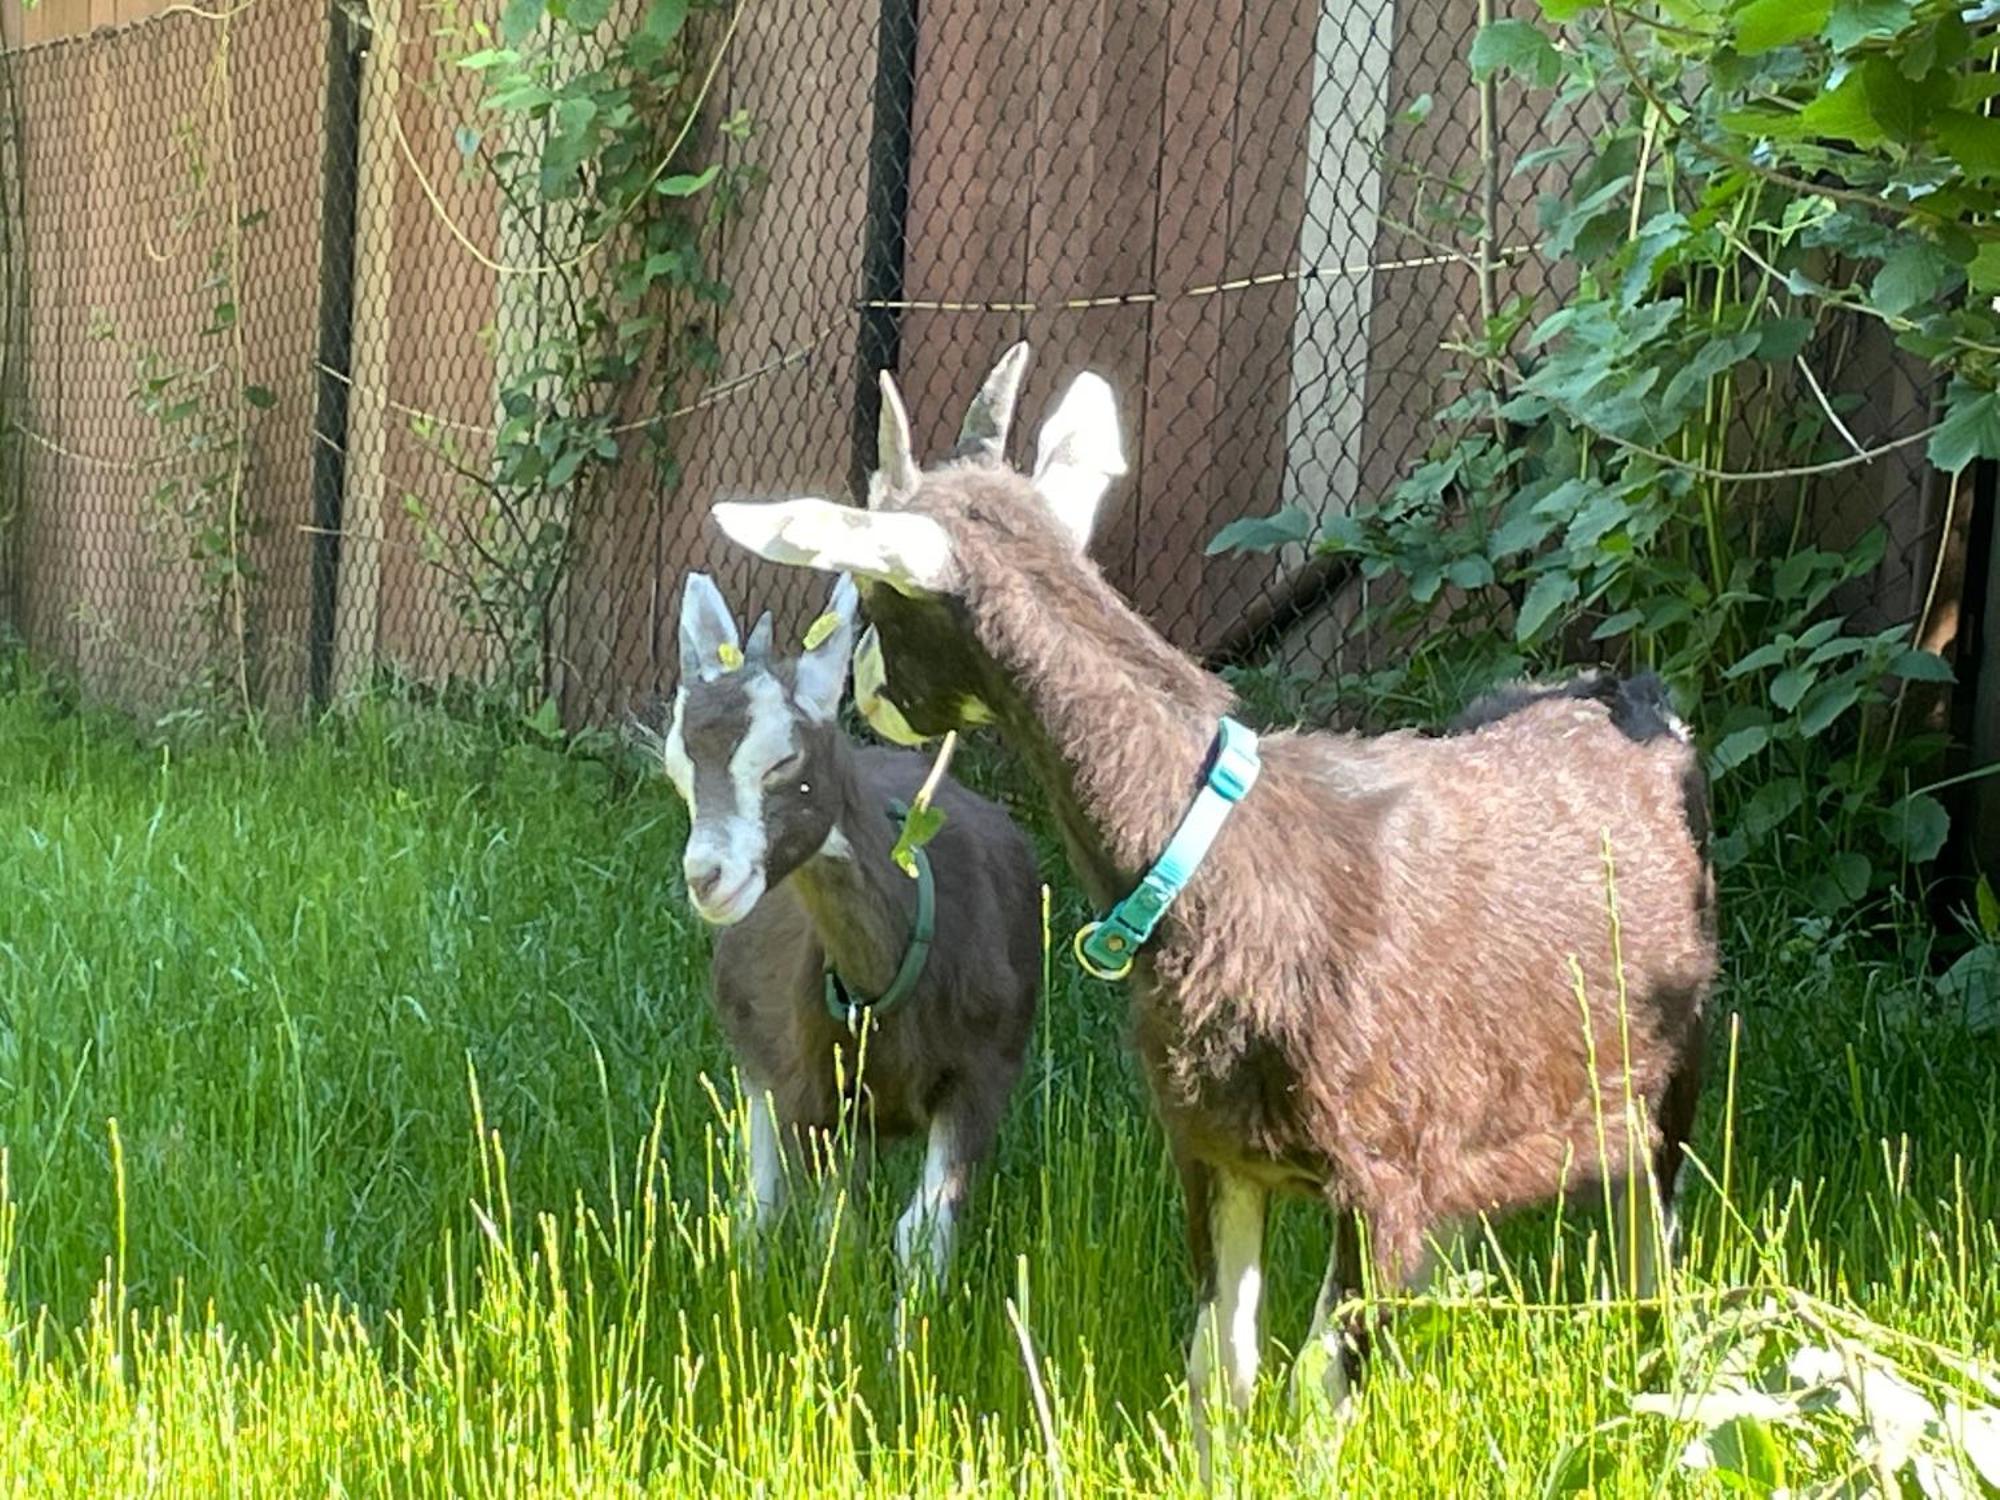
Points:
[[764, 1190], [843, 1164], [1225, 1333]]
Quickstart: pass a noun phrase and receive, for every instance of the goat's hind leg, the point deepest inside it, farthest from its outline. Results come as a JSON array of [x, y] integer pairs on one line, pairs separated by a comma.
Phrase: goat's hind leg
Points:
[[1329, 1361], [959, 1137], [1645, 1234]]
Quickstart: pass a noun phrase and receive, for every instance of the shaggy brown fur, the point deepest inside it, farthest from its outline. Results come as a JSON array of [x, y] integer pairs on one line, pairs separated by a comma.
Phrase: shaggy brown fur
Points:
[[1388, 982], [1367, 988]]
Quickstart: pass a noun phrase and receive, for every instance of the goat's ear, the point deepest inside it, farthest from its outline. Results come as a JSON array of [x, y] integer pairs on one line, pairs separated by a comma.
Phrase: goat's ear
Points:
[[709, 643], [911, 553], [1079, 454], [822, 669], [895, 455], [983, 437], [763, 634]]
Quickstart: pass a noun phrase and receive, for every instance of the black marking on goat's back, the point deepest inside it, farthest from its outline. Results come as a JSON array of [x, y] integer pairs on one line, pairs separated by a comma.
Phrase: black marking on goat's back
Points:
[[1639, 709], [1639, 706]]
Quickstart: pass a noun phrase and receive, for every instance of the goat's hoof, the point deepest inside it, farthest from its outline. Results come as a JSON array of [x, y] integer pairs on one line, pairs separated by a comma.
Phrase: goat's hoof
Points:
[[1322, 1389]]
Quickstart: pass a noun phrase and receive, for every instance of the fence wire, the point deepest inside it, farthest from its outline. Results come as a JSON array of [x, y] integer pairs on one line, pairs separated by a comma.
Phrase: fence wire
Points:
[[264, 288]]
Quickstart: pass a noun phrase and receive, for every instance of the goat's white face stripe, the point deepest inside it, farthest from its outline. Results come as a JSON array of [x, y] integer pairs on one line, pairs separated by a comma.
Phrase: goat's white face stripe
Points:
[[732, 837], [680, 770]]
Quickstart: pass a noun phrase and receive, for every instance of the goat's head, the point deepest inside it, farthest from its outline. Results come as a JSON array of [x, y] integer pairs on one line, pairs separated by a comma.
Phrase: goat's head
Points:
[[750, 746], [922, 543]]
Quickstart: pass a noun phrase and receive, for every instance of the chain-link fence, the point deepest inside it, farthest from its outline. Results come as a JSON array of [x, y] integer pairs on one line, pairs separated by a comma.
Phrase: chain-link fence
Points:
[[268, 297]]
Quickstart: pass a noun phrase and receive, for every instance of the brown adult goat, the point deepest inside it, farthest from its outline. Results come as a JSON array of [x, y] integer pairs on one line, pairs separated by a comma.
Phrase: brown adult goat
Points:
[[1404, 980]]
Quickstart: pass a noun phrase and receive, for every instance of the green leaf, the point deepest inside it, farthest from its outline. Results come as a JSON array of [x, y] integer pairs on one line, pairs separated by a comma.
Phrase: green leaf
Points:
[[1262, 533], [1763, 25], [1780, 339], [1852, 22], [1745, 1448], [1518, 532], [1898, 105], [1515, 47], [587, 15], [1473, 572], [686, 185], [260, 396], [1971, 140], [1918, 826], [1842, 112], [518, 20], [664, 19], [1826, 705], [1740, 746], [1617, 624], [1971, 428], [1416, 111], [1912, 277], [1923, 666], [1984, 272], [1585, 1466], [1795, 573], [1851, 871], [1566, 10], [564, 469], [1772, 803], [488, 57], [1550, 593], [920, 826], [1790, 685], [1989, 926], [545, 720]]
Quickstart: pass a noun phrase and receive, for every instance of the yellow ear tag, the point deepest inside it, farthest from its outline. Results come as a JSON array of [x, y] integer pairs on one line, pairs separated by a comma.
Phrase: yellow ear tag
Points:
[[730, 656], [820, 629]]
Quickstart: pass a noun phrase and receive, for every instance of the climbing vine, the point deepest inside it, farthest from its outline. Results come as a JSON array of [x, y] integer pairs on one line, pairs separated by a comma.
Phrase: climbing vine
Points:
[[201, 401], [615, 182]]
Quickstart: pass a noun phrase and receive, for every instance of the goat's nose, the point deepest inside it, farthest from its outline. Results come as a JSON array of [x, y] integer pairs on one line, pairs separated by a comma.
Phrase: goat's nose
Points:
[[703, 876]]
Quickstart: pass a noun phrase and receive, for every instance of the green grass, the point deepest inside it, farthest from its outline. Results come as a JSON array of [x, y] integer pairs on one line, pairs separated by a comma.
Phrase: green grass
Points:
[[359, 1100]]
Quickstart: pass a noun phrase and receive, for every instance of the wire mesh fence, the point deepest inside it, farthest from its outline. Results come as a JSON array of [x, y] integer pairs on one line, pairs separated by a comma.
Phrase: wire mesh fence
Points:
[[274, 307]]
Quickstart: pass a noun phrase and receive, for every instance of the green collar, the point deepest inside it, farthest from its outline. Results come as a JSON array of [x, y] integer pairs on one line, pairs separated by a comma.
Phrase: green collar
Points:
[[841, 1002]]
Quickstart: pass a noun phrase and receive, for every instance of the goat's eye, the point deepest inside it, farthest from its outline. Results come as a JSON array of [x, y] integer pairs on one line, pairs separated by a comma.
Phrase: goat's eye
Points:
[[785, 769]]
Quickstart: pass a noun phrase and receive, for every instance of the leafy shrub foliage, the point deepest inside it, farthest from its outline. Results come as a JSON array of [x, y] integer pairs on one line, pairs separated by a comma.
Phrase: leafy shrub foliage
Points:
[[1631, 474]]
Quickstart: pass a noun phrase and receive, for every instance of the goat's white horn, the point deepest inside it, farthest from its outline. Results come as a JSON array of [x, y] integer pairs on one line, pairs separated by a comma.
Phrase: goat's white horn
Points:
[[895, 456], [991, 415], [762, 637]]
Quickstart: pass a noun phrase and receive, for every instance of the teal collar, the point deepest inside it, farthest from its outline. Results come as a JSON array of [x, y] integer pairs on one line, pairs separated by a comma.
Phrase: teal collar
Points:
[[841, 1002], [1107, 947]]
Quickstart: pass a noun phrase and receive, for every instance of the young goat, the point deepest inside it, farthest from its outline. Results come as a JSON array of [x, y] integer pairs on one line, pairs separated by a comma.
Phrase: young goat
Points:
[[788, 855], [1398, 982]]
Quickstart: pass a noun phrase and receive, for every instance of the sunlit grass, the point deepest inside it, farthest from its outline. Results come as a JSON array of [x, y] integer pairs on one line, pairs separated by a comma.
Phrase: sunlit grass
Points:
[[359, 1099]]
